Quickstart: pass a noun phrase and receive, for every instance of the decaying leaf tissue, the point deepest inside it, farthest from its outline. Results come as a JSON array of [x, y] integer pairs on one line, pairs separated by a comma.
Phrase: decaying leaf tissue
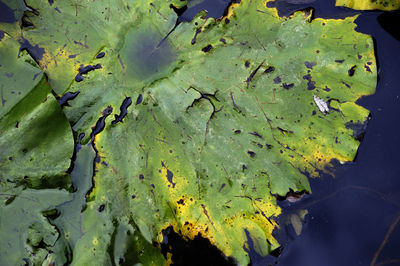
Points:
[[192, 125]]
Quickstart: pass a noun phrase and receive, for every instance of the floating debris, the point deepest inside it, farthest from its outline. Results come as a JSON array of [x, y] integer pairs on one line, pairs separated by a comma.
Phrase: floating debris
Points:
[[322, 105]]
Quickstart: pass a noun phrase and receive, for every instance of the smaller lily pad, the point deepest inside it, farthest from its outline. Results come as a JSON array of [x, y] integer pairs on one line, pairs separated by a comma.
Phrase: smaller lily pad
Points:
[[385, 5]]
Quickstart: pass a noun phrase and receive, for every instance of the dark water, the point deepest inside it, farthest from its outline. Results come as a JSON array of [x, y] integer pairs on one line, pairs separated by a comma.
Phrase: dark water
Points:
[[6, 14], [350, 215], [214, 8]]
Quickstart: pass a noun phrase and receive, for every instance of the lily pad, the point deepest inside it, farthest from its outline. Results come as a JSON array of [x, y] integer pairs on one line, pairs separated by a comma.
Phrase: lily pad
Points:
[[199, 125], [36, 141], [385, 5], [36, 144]]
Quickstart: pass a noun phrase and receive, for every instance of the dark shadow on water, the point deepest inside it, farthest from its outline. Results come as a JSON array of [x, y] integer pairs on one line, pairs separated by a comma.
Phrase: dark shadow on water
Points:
[[389, 21], [198, 251]]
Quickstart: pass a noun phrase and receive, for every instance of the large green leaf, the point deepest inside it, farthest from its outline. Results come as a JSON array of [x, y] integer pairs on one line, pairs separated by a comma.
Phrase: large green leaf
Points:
[[204, 122], [386, 5]]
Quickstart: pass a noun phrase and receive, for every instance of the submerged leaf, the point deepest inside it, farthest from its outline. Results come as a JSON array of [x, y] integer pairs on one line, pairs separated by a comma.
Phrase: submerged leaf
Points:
[[199, 124], [88, 229], [385, 5], [297, 220], [26, 236]]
